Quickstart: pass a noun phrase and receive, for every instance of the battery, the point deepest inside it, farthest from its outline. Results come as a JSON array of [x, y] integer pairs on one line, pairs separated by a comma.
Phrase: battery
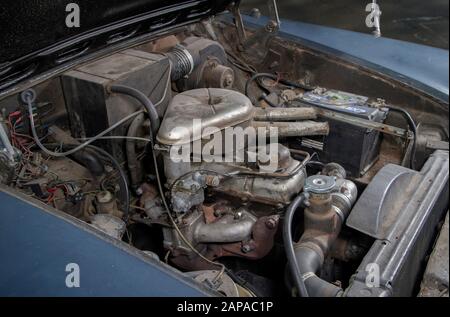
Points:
[[357, 149]]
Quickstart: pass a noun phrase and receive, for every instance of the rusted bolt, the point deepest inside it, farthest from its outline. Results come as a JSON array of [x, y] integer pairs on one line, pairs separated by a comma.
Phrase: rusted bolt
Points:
[[212, 181], [271, 223], [255, 13], [246, 248], [271, 26], [275, 64], [228, 81]]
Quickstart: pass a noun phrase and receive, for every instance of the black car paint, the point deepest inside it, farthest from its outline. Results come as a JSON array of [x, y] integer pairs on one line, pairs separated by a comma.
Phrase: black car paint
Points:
[[35, 37]]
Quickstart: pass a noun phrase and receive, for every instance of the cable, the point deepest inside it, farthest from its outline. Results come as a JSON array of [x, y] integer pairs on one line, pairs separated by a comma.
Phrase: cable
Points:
[[143, 99], [145, 102], [29, 96], [117, 138], [276, 78], [289, 246], [255, 77], [270, 103], [413, 127], [126, 190], [240, 63], [126, 197], [155, 126], [172, 220], [169, 81], [177, 229], [81, 146], [317, 163]]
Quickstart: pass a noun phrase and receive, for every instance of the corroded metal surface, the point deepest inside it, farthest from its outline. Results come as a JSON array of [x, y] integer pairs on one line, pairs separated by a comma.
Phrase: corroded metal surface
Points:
[[256, 247], [285, 114], [294, 129], [435, 282], [216, 108]]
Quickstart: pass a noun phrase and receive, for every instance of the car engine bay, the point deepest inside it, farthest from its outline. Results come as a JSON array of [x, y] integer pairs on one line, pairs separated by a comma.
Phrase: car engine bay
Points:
[[169, 146]]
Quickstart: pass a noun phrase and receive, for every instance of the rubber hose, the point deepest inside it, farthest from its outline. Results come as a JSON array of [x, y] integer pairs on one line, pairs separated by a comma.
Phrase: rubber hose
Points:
[[289, 246], [133, 164], [144, 100]]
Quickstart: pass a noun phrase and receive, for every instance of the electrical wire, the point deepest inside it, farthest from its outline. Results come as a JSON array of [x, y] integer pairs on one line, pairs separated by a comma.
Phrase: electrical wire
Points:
[[413, 127], [172, 220], [126, 196], [277, 79], [122, 174], [168, 209], [81, 146], [240, 64], [268, 101], [142, 98], [167, 86], [177, 229], [124, 186], [317, 163], [100, 135], [117, 138]]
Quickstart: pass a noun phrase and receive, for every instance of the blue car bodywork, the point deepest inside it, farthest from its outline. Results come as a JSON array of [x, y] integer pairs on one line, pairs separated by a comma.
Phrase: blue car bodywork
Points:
[[422, 67], [37, 249], [36, 245]]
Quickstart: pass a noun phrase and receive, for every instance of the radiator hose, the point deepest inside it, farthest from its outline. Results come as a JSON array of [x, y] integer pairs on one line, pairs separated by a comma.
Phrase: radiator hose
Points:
[[329, 201]]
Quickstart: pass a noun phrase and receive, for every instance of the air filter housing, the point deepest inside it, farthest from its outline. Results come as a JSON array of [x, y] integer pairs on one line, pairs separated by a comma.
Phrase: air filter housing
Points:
[[92, 108]]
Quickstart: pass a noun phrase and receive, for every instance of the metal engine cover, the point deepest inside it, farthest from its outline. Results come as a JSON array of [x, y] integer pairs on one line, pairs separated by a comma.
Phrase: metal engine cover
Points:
[[216, 108]]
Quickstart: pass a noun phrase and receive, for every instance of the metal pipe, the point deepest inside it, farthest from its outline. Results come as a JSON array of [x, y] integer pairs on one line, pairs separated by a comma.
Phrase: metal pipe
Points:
[[330, 201], [132, 159], [294, 129], [285, 114], [226, 230]]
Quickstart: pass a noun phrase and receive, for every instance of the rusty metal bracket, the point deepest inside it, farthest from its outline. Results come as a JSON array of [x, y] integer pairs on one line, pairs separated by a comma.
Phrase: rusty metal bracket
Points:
[[255, 47], [239, 23], [363, 123], [359, 122]]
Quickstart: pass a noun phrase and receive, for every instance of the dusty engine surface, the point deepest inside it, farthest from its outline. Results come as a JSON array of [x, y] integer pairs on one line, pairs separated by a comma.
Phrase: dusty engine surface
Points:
[[169, 151], [222, 228]]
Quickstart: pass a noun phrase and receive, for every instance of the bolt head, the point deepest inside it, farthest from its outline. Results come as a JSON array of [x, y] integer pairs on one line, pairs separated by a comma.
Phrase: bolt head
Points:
[[228, 81], [271, 223], [246, 248]]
